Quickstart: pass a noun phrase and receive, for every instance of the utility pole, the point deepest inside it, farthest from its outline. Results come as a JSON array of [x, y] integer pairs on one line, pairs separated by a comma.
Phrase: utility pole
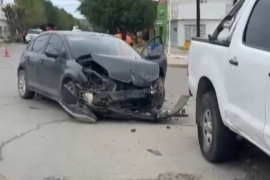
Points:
[[169, 4], [198, 22]]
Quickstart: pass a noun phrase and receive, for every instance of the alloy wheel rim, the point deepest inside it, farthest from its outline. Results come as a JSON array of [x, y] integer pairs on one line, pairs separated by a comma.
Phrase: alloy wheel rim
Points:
[[207, 129], [22, 85]]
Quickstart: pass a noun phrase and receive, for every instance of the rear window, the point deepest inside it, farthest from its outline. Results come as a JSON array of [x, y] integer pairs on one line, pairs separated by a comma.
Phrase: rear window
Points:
[[33, 31], [99, 44]]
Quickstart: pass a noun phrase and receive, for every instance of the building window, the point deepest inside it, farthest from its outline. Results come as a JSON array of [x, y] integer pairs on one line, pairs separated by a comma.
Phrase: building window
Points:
[[191, 31], [203, 1], [1, 30], [5, 30]]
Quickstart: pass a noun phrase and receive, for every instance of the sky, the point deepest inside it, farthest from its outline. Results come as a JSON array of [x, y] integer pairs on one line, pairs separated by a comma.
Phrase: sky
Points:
[[69, 5]]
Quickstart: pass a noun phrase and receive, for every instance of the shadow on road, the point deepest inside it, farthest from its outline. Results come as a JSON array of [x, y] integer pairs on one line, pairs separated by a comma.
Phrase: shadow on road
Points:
[[254, 162]]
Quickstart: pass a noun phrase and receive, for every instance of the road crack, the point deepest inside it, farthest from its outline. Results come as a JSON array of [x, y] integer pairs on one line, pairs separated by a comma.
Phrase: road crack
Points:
[[16, 137]]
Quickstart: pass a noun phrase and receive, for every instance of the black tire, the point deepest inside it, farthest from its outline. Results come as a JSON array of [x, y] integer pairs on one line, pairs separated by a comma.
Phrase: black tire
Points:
[[71, 86], [24, 92], [221, 145], [159, 97]]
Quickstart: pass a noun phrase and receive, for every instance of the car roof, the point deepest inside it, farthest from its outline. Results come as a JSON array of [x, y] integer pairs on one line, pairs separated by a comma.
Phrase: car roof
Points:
[[63, 33], [37, 29]]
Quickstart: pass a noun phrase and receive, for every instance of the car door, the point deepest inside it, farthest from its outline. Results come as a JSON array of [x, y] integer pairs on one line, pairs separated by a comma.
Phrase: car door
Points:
[[33, 57], [51, 68], [246, 73], [154, 51]]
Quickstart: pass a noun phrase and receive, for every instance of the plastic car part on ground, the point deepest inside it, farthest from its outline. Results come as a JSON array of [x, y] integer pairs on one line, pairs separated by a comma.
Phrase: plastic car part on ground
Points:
[[83, 113]]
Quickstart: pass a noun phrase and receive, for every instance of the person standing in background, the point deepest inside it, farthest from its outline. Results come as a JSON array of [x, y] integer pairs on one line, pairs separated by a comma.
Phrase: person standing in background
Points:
[[145, 36], [122, 34], [24, 35], [51, 27]]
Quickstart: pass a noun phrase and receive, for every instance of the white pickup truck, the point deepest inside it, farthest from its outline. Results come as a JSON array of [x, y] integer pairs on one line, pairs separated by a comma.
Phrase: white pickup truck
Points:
[[230, 79]]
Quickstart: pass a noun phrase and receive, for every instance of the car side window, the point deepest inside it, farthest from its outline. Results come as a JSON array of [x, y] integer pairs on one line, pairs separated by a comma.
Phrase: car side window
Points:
[[63, 53], [257, 32], [55, 42], [40, 43], [29, 46]]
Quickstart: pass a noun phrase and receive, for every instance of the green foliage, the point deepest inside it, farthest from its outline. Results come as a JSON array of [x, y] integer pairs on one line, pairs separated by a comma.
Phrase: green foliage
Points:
[[26, 14], [33, 12], [11, 12], [110, 14]]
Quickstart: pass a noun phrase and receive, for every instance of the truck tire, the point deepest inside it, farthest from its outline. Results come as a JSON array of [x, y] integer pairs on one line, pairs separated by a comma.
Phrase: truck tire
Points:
[[217, 142], [24, 92]]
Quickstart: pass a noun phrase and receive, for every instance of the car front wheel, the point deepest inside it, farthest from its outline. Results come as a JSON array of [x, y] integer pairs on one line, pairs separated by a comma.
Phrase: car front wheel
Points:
[[24, 92], [217, 142], [159, 97]]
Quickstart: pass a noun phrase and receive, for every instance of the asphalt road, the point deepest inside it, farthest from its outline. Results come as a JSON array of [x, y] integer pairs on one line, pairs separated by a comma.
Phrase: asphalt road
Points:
[[38, 141]]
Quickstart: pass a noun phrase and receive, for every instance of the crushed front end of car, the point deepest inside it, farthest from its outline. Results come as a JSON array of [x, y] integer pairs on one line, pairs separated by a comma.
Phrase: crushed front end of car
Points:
[[118, 88]]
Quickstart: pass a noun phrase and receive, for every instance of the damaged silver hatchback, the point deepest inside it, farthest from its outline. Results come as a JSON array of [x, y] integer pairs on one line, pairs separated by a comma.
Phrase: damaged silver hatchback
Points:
[[95, 75]]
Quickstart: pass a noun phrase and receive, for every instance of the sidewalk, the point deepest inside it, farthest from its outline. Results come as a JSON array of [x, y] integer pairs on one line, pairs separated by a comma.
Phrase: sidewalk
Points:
[[177, 62]]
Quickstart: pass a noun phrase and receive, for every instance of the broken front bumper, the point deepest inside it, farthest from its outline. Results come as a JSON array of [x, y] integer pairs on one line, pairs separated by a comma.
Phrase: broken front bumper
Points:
[[83, 113]]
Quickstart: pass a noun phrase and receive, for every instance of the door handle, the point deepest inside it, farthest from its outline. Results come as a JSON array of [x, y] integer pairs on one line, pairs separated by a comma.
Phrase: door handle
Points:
[[41, 61], [233, 62]]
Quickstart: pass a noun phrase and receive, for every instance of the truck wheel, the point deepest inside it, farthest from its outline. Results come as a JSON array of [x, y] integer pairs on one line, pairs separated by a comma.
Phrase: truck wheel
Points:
[[217, 142], [24, 92]]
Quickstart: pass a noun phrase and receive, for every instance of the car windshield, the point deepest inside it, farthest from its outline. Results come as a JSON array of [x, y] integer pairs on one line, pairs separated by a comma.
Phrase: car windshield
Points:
[[99, 44], [34, 31]]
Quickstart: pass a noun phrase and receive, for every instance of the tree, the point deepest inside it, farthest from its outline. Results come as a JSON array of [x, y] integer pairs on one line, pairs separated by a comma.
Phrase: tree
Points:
[[110, 14], [11, 14], [26, 14], [34, 12]]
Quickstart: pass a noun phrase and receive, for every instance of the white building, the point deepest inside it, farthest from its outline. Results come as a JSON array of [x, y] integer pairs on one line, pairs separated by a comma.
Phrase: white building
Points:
[[4, 32], [183, 23]]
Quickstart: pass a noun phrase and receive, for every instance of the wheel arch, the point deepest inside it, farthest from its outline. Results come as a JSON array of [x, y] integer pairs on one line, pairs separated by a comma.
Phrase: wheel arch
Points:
[[161, 72], [19, 69], [205, 85], [66, 79]]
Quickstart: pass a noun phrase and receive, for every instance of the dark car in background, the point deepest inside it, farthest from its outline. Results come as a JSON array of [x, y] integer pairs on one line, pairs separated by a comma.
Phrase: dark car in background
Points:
[[94, 75]]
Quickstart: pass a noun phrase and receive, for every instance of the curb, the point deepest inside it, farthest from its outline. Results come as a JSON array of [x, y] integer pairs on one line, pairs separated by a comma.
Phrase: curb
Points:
[[177, 56], [178, 65]]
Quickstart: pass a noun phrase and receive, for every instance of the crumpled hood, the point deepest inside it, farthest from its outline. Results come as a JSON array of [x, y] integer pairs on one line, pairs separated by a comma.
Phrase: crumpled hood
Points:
[[138, 71]]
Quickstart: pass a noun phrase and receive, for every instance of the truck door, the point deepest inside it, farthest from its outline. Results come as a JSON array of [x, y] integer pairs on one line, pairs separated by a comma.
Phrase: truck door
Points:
[[247, 74], [261, 40]]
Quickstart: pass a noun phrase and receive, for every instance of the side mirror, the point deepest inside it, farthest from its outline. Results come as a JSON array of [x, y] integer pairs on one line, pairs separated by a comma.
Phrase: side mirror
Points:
[[154, 49], [52, 53]]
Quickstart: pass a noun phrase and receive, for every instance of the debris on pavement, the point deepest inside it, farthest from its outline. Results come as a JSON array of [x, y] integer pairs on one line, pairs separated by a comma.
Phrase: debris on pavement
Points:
[[35, 108], [133, 130], [178, 176], [168, 127], [54, 178], [155, 152]]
